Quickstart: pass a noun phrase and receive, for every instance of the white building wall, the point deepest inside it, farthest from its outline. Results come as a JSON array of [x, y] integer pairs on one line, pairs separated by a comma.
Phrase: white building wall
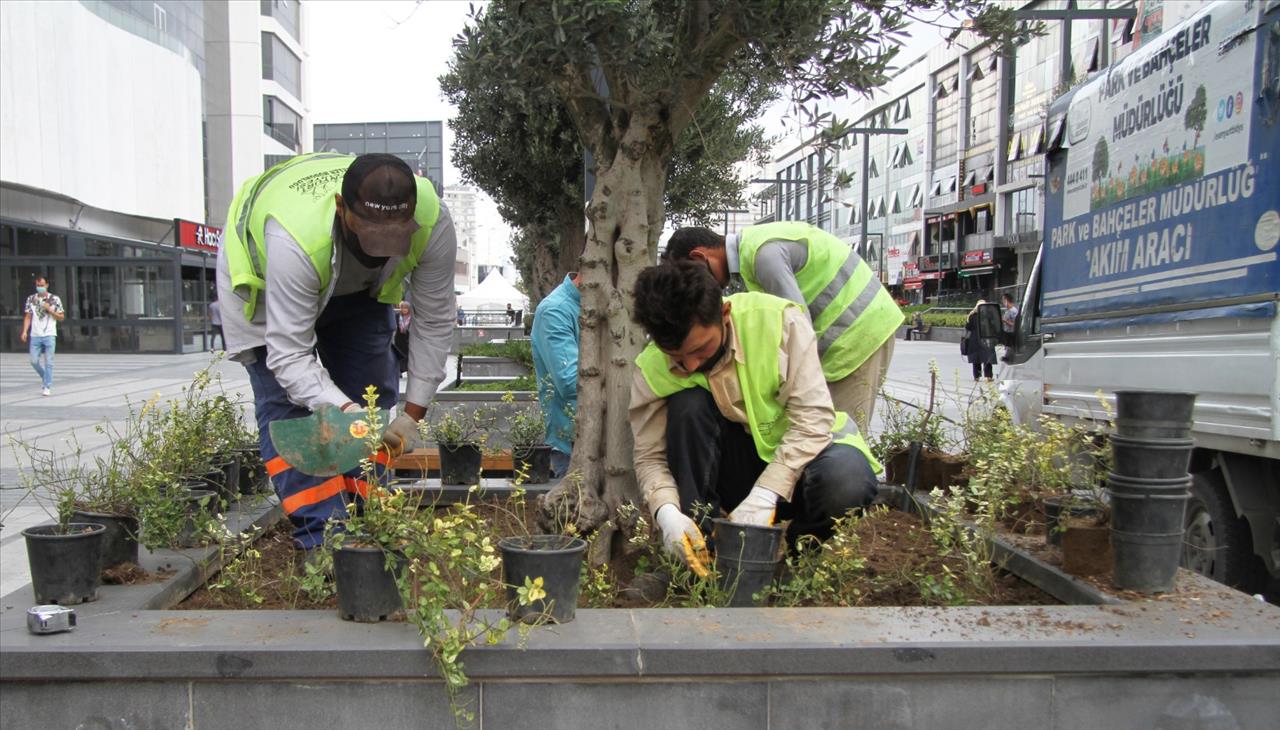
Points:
[[93, 113]]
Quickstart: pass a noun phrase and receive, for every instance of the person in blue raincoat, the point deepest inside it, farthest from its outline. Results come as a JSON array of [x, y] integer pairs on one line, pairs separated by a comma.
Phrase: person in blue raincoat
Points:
[[555, 364]]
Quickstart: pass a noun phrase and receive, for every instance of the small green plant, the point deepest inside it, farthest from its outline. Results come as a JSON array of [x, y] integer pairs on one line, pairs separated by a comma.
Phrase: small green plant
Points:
[[525, 427], [458, 427], [522, 383], [831, 573]]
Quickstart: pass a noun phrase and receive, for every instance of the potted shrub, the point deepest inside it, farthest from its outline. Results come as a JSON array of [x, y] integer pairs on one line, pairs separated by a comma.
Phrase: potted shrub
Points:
[[530, 454], [66, 561], [541, 572], [460, 436]]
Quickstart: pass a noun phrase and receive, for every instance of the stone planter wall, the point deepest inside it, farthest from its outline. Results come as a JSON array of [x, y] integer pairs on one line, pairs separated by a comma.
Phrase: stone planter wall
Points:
[[496, 367], [468, 335]]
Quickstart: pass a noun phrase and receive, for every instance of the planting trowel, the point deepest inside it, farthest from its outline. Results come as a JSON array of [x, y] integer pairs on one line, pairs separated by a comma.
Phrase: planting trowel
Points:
[[326, 443]]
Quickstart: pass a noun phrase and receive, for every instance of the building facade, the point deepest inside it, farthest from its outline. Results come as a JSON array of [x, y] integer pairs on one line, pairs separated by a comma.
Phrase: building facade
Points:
[[127, 127], [462, 201], [419, 144], [947, 205]]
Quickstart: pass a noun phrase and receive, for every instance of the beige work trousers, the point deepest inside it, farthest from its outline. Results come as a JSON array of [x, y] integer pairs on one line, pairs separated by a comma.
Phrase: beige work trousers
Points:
[[855, 393]]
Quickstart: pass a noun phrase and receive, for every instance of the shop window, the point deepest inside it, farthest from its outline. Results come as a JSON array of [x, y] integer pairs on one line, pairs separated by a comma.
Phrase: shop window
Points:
[[8, 246], [32, 242]]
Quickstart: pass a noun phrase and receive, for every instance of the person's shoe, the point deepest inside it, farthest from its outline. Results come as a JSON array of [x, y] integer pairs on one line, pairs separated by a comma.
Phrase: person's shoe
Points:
[[45, 391]]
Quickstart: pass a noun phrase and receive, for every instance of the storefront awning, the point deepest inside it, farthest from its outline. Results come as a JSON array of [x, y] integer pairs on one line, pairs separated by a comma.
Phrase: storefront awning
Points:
[[977, 271]]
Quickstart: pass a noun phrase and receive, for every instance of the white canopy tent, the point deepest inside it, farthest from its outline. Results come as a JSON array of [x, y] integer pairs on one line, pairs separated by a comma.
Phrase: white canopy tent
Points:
[[495, 292]]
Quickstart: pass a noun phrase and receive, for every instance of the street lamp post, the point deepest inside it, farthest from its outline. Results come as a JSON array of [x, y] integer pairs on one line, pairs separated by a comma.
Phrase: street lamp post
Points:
[[866, 133]]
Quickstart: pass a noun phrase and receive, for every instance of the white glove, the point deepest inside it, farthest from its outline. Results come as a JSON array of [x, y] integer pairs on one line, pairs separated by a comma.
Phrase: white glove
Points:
[[757, 509], [682, 538], [397, 436]]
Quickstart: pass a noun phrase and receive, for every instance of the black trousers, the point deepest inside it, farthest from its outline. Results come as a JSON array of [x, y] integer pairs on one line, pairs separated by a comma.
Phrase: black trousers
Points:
[[714, 462], [981, 369]]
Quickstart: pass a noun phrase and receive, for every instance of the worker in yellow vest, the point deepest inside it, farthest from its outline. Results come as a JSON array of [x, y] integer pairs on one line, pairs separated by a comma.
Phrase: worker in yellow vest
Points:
[[729, 409], [316, 252], [854, 316]]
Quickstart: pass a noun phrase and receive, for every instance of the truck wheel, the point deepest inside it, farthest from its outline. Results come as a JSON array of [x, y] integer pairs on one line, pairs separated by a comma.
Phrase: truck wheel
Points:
[[1217, 544]]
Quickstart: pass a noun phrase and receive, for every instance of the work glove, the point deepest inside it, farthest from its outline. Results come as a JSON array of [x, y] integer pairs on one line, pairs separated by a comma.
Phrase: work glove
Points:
[[682, 538], [397, 436], [757, 509]]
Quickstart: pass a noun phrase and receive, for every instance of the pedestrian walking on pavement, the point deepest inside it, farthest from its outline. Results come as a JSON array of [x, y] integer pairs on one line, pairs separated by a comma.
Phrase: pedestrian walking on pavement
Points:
[[40, 317], [854, 317], [729, 409], [317, 253], [980, 352], [215, 324]]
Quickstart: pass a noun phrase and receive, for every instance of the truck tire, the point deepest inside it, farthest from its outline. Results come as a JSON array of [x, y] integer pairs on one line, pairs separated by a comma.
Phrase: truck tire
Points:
[[1217, 543]]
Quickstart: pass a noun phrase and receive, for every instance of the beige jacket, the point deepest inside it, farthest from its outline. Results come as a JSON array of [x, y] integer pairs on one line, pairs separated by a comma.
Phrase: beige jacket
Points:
[[803, 392]]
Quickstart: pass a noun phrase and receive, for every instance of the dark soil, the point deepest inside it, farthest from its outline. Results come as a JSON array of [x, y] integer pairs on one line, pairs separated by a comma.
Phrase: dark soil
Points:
[[896, 546], [129, 574], [935, 469]]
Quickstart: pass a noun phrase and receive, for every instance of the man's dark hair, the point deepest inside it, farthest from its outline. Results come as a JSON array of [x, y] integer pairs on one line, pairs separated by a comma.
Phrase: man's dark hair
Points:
[[684, 240], [38, 279], [673, 296], [1007, 297]]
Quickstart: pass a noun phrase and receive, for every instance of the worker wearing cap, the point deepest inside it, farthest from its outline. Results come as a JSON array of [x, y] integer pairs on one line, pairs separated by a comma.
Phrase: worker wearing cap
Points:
[[316, 252], [729, 409], [854, 317]]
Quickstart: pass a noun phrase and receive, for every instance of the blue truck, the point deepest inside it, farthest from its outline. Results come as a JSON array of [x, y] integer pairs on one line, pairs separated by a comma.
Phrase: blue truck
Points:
[[1159, 267]]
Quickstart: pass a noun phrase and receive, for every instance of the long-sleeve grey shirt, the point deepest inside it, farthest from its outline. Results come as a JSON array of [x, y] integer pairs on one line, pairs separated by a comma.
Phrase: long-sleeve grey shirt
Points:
[[776, 264], [285, 321]]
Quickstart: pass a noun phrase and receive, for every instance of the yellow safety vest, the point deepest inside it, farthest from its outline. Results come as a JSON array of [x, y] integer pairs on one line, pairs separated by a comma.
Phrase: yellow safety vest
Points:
[[299, 194], [757, 319], [852, 314]]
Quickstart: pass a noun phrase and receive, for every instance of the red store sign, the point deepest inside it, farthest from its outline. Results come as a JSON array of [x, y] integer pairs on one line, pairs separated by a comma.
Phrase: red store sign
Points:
[[975, 258], [198, 236]]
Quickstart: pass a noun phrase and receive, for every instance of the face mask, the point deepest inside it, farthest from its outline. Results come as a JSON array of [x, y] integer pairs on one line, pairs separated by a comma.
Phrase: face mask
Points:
[[707, 366], [42, 289]]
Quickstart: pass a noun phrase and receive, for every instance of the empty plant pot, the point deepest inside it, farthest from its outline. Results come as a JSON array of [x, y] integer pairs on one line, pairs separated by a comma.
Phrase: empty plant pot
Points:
[[1154, 513], [65, 563], [747, 557], [557, 559], [251, 472], [460, 464], [1138, 485], [1151, 458], [1153, 415], [367, 590], [226, 476], [533, 464], [1146, 562], [1053, 510], [120, 542]]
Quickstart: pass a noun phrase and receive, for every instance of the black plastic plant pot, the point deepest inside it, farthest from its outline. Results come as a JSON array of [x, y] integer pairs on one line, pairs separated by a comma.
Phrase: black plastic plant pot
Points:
[[197, 501], [120, 543], [1144, 414], [747, 557], [1137, 485], [367, 590], [1154, 513], [226, 478], [1151, 458], [557, 560], [1146, 562], [1053, 508], [460, 464], [533, 463], [66, 564], [251, 471]]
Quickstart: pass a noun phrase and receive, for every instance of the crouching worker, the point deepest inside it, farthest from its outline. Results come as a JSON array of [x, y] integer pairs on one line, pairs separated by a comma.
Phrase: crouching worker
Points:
[[729, 409]]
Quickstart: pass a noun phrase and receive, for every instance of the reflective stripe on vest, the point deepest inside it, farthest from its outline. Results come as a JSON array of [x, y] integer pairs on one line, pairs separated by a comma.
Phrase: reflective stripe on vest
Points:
[[757, 321], [852, 314]]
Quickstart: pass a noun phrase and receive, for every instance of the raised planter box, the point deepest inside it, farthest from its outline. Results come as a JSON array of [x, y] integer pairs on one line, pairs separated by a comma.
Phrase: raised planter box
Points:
[[497, 367], [468, 334]]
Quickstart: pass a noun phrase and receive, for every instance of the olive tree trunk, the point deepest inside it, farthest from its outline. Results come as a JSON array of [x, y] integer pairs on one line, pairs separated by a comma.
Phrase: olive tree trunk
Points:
[[625, 218]]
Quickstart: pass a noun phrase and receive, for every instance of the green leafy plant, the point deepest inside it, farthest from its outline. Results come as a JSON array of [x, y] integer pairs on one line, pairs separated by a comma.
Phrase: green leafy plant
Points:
[[458, 427], [519, 350], [525, 429], [522, 383]]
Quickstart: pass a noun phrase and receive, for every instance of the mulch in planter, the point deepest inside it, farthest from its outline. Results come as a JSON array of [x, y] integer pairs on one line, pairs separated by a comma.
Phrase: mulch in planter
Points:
[[896, 546]]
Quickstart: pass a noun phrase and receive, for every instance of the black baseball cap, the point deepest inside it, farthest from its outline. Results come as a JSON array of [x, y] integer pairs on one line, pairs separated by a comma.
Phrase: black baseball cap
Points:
[[381, 193]]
